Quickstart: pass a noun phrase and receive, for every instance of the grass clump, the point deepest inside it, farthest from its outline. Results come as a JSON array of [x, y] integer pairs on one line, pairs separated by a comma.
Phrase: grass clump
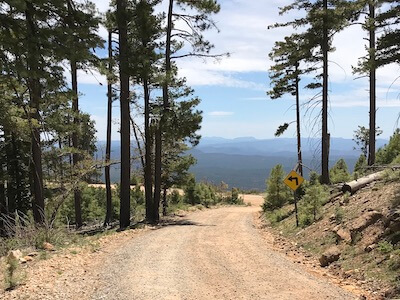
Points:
[[13, 276]]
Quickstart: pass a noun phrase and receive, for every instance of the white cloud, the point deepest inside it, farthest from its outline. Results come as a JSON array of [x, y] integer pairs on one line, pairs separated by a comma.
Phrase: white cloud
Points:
[[221, 113]]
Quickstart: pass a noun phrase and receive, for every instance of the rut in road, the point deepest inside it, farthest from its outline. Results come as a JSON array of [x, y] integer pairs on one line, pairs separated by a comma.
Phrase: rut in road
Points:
[[211, 254]]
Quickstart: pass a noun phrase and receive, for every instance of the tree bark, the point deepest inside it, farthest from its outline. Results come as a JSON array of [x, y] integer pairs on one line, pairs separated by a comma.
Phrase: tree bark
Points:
[[372, 88], [158, 170], [148, 176], [75, 142], [108, 142], [135, 133], [3, 201], [165, 201], [355, 185], [161, 125], [125, 114], [325, 139], [299, 156], [34, 101], [12, 170]]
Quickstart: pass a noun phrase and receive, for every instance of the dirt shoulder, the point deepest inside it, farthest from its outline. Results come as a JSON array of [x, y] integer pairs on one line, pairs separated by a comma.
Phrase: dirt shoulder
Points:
[[359, 227]]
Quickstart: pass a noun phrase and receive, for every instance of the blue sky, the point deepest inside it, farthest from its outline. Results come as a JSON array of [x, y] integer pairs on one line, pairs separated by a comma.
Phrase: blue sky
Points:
[[233, 91]]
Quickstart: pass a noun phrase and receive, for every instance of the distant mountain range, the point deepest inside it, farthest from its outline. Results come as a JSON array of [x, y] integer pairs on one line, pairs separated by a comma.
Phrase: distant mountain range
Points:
[[246, 162]]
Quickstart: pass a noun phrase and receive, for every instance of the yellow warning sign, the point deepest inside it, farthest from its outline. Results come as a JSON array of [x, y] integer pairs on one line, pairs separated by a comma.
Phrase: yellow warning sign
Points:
[[293, 180]]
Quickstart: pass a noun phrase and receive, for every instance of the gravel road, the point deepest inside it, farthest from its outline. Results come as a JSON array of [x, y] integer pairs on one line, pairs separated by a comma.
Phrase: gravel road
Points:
[[211, 254]]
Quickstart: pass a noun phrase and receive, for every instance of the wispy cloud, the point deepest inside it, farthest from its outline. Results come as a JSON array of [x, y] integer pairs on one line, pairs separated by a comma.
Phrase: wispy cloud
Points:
[[221, 113]]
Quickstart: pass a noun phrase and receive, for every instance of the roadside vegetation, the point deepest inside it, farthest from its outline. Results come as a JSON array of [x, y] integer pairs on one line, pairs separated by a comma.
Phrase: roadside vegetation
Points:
[[363, 228]]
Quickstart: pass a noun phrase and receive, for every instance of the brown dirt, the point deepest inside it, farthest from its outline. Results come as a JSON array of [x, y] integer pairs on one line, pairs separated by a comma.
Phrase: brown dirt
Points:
[[211, 254], [356, 267]]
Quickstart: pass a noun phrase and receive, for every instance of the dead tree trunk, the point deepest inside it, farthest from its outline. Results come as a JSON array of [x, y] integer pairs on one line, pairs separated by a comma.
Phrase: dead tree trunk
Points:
[[299, 156], [355, 185]]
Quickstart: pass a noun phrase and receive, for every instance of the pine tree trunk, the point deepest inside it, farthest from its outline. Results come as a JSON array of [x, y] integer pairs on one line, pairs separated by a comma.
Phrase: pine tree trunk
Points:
[[299, 156], [158, 171], [325, 138], [161, 126], [12, 170], [125, 114], [148, 176], [372, 88], [108, 142], [34, 102], [139, 146], [165, 201], [75, 143], [3, 201]]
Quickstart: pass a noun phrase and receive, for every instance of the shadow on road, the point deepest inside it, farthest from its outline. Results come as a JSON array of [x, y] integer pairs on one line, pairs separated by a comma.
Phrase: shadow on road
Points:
[[183, 222]]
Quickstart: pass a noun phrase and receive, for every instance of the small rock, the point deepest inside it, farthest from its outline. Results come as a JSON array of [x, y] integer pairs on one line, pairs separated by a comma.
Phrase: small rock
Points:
[[48, 247], [329, 256], [343, 235], [22, 260], [15, 254], [28, 258], [332, 218], [369, 248]]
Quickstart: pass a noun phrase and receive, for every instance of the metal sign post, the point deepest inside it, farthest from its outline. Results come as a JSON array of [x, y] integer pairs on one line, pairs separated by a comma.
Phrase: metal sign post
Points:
[[294, 180]]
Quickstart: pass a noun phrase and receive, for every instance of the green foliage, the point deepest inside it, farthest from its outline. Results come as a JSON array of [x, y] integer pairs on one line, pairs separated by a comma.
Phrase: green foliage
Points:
[[339, 172], [314, 178], [311, 203], [388, 48], [385, 247], [388, 153], [234, 198], [205, 194], [278, 215], [359, 167], [10, 275], [277, 192], [394, 260], [190, 190], [339, 214], [361, 138], [175, 197]]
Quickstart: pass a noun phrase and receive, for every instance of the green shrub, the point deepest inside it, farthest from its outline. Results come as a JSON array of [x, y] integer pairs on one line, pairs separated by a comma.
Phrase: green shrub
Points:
[[394, 261], [190, 190], [278, 215], [339, 214], [278, 194], [388, 153], [339, 172], [311, 203], [11, 278], [174, 197], [360, 167], [234, 198], [385, 247]]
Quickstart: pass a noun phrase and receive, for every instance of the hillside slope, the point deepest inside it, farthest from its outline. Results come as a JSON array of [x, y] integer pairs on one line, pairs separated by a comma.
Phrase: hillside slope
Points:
[[365, 231]]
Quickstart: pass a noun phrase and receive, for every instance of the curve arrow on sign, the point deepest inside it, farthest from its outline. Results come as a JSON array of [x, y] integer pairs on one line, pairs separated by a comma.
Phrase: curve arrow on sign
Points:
[[291, 178]]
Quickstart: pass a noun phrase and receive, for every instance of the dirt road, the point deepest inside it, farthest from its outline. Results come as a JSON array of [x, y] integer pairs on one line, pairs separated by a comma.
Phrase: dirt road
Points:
[[211, 254]]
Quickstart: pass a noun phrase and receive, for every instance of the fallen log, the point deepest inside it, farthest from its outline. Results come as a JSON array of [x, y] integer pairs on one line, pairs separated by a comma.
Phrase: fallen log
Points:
[[355, 185]]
